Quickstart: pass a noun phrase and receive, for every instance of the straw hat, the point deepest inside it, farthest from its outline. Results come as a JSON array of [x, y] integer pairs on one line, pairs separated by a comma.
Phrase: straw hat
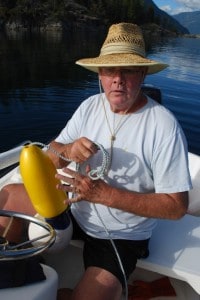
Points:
[[124, 47]]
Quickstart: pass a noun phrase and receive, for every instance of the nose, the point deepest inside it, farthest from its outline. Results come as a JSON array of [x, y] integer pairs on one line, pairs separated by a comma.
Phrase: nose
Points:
[[118, 77]]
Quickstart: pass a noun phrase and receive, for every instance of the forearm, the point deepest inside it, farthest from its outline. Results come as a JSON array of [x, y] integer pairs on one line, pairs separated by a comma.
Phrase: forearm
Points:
[[152, 205], [165, 206]]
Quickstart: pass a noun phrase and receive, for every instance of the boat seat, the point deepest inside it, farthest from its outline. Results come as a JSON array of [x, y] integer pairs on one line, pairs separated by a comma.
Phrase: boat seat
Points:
[[42, 290], [194, 194], [175, 249]]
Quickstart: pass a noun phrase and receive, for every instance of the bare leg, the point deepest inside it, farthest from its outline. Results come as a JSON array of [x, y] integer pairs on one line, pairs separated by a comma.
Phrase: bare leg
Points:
[[15, 198], [97, 284]]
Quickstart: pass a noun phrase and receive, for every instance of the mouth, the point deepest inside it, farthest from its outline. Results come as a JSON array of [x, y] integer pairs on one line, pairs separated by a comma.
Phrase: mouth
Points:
[[118, 92]]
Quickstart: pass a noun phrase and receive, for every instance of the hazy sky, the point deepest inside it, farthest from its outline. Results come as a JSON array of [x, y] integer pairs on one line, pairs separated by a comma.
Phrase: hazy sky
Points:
[[177, 6]]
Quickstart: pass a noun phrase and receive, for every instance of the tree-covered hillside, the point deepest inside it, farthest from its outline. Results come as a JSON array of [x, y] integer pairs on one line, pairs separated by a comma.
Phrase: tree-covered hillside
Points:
[[40, 13]]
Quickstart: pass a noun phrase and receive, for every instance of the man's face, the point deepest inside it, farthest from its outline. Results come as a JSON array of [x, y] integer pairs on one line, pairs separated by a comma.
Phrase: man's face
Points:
[[121, 85]]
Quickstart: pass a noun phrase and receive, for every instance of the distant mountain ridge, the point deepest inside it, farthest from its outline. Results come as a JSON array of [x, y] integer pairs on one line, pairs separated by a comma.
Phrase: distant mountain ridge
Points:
[[190, 20], [166, 19]]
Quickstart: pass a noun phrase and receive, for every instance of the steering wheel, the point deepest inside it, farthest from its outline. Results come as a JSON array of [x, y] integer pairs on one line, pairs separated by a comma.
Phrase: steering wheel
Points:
[[27, 248]]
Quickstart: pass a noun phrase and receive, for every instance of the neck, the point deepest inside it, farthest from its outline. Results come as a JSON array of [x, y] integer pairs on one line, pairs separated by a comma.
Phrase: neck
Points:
[[140, 102]]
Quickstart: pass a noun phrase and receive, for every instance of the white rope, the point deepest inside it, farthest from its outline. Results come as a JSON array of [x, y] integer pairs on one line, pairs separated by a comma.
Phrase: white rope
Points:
[[115, 250]]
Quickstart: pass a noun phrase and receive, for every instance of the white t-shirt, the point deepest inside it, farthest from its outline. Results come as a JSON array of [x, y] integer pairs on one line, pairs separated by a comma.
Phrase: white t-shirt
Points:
[[149, 155]]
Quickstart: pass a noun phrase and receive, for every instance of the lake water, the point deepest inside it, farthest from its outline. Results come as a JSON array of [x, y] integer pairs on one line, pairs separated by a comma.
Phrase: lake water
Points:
[[41, 86]]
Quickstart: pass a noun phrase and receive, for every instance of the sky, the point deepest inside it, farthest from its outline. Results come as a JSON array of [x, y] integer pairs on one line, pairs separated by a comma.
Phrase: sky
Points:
[[173, 7]]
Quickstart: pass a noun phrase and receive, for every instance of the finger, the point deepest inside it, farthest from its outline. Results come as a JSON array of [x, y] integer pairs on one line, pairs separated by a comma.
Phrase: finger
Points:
[[65, 187], [66, 179], [84, 153], [87, 148], [79, 158], [69, 201], [94, 148], [67, 171], [70, 172]]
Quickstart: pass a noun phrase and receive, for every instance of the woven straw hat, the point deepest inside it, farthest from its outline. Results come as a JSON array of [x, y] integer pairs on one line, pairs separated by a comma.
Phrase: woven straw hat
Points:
[[123, 47]]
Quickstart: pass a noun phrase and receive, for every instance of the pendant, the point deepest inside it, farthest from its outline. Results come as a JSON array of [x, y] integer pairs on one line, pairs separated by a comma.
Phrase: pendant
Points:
[[113, 138]]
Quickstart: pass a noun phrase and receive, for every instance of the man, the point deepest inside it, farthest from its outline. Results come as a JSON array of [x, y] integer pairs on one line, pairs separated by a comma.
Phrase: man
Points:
[[147, 177]]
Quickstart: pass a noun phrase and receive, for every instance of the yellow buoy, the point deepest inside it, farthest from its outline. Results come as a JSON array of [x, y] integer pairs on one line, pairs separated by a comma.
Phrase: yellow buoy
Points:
[[38, 174]]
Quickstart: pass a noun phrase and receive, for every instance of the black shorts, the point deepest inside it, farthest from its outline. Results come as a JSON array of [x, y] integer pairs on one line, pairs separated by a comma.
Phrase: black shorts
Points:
[[100, 252]]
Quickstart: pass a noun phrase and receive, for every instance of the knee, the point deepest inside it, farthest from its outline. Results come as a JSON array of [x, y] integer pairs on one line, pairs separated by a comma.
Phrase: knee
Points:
[[4, 194], [6, 189], [8, 195]]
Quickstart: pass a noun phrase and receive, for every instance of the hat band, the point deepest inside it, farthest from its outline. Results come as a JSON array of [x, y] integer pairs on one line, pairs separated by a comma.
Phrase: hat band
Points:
[[122, 48]]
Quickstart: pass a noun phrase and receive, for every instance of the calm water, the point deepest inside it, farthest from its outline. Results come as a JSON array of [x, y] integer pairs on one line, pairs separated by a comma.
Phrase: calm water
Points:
[[41, 86]]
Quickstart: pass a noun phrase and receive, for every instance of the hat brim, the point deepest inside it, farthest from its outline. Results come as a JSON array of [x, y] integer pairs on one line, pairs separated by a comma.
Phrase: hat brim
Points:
[[121, 60]]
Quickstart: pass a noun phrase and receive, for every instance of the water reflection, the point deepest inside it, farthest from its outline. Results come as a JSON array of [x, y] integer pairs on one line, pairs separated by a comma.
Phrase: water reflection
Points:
[[183, 57], [180, 84], [31, 59], [41, 86]]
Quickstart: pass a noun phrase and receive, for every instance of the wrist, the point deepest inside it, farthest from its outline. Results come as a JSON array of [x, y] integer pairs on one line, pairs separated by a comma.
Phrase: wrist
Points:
[[67, 151]]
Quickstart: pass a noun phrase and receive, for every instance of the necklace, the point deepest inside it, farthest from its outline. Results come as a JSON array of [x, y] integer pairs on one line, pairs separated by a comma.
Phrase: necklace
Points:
[[115, 129], [122, 120]]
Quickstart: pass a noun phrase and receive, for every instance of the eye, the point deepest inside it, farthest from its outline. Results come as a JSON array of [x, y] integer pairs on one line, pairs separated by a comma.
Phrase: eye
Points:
[[123, 71], [130, 71], [109, 71]]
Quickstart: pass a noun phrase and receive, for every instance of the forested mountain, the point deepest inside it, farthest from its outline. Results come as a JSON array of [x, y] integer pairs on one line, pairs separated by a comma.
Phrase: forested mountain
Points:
[[63, 14], [190, 20]]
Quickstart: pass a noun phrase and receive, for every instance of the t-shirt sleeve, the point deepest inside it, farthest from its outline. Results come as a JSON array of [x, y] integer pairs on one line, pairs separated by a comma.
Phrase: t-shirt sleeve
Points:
[[170, 165]]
